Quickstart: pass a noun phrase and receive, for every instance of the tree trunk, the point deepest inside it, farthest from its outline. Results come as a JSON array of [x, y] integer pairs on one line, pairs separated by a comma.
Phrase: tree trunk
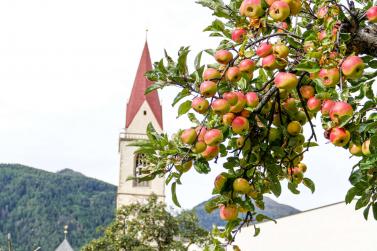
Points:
[[364, 40]]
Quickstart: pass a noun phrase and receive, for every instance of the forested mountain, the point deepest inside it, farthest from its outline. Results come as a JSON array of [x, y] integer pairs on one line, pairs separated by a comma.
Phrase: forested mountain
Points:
[[35, 205]]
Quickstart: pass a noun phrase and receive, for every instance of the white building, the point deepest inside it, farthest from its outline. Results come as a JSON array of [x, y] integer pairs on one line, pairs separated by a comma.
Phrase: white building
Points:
[[336, 227], [141, 110]]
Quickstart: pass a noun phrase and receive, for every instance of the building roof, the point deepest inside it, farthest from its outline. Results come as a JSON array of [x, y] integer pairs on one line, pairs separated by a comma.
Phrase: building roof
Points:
[[137, 97], [64, 246]]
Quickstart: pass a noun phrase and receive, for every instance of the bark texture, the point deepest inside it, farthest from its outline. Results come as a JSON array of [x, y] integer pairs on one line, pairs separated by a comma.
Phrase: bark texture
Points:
[[364, 40]]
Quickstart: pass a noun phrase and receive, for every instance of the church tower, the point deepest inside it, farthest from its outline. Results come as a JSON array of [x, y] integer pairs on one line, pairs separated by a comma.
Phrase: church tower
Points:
[[141, 110]]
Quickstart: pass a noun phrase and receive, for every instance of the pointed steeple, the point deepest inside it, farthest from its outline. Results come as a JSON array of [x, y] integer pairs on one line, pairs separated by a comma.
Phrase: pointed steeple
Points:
[[137, 97]]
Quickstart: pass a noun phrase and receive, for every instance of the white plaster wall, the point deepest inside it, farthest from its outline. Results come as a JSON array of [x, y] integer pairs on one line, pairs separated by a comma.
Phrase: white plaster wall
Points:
[[127, 193], [334, 228]]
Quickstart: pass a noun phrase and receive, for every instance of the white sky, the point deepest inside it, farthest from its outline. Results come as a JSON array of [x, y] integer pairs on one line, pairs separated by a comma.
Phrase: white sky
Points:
[[66, 71]]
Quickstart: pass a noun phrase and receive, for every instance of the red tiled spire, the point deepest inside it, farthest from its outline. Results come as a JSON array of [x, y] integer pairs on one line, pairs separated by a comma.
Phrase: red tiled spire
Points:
[[137, 97]]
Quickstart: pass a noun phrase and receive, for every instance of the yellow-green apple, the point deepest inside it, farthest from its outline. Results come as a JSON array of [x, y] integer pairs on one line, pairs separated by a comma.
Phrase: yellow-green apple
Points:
[[355, 149], [241, 185], [231, 97], [269, 2], [372, 14], [240, 125], [279, 10], [290, 105], [233, 74], [339, 136], [340, 110], [300, 116], [200, 131], [184, 166], [327, 105], [294, 128], [240, 105], [240, 141], [220, 181], [220, 106], [329, 77], [353, 67], [283, 26], [366, 148], [280, 50], [213, 137], [270, 62], [274, 135], [302, 167], [314, 104], [246, 66], [308, 46], [307, 91], [211, 74], [238, 35], [223, 56], [295, 175], [276, 121], [229, 212], [228, 118], [252, 99], [286, 80], [188, 136], [252, 8], [294, 6], [199, 147], [200, 105], [264, 50], [208, 89], [210, 152]]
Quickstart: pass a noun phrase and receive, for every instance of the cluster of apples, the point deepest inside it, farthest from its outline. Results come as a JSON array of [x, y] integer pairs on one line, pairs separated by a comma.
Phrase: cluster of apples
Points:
[[279, 10]]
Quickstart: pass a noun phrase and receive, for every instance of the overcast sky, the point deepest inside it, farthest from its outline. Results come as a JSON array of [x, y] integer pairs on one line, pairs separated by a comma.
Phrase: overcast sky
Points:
[[66, 71]]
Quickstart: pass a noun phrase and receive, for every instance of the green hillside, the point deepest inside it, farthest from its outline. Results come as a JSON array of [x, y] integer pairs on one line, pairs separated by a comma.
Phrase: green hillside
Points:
[[35, 205]]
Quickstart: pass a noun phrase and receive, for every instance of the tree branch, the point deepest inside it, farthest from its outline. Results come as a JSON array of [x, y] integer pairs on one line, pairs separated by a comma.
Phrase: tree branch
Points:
[[364, 40]]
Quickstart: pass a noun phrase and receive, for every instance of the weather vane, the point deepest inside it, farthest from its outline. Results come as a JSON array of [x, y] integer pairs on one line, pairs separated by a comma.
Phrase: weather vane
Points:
[[146, 34]]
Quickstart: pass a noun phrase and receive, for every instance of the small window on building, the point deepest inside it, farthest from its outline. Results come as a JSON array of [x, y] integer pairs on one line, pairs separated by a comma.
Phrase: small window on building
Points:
[[140, 162], [145, 113]]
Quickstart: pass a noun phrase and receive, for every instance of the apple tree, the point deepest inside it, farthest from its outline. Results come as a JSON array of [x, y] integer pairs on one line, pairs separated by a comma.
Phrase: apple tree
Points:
[[279, 65]]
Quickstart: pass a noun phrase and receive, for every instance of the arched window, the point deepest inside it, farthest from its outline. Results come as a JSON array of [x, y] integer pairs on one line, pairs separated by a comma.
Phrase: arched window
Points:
[[140, 162]]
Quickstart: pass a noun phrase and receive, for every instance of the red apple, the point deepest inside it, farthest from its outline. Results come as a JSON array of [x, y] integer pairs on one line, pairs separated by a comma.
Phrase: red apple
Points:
[[188, 136], [290, 105], [294, 6], [211, 74], [246, 66], [365, 148], [238, 35], [240, 105], [223, 56], [229, 212], [231, 97], [213, 137], [327, 105], [200, 131], [240, 125], [340, 110], [339, 136], [220, 106], [322, 35], [314, 104], [199, 147], [353, 67], [252, 8], [270, 62], [252, 99], [286, 80], [322, 12], [264, 50], [210, 152], [329, 77], [208, 89], [355, 149], [372, 14], [283, 26], [233, 74], [307, 91], [279, 10], [280, 50], [200, 105]]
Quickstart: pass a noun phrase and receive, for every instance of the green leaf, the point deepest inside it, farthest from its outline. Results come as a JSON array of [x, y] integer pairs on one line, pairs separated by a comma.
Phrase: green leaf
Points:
[[257, 231], [293, 188], [202, 166], [362, 202], [310, 144], [174, 195], [373, 64], [182, 60], [309, 184], [152, 88], [276, 188], [375, 210], [184, 107], [184, 93], [198, 59], [350, 195], [366, 211], [311, 67]]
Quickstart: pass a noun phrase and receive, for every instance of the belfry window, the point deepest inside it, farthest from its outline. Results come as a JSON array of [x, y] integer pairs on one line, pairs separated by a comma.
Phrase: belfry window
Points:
[[140, 162]]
